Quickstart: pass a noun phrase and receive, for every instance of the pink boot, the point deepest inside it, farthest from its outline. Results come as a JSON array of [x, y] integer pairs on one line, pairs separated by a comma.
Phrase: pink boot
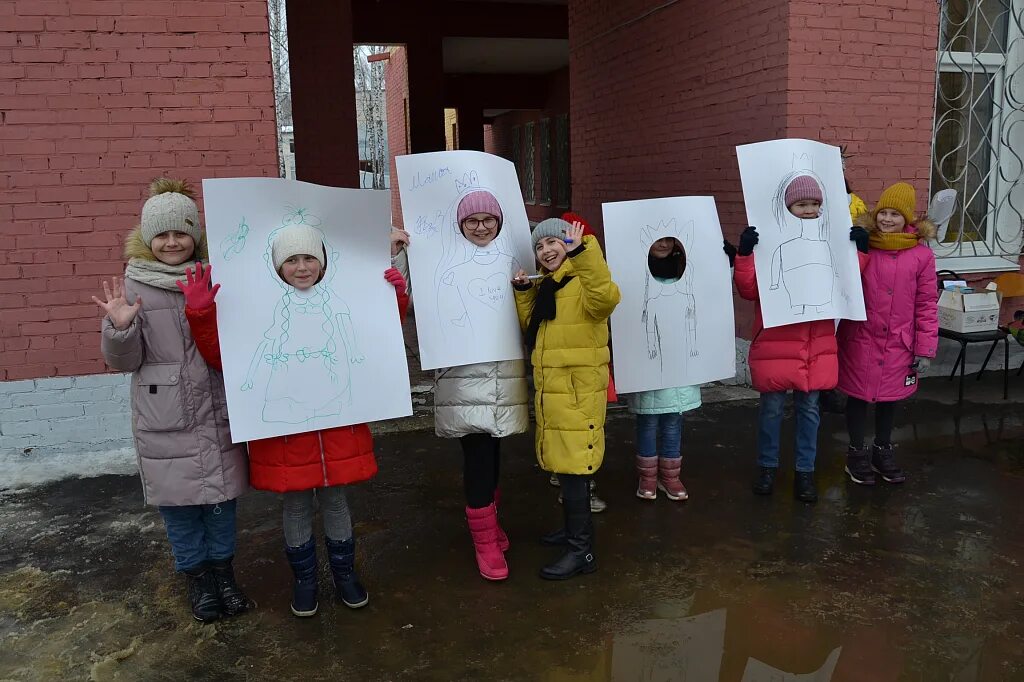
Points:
[[483, 526], [668, 478], [647, 472], [503, 543]]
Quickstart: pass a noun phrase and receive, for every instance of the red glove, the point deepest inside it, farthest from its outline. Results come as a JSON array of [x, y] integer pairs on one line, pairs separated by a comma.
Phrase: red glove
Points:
[[394, 277], [199, 294]]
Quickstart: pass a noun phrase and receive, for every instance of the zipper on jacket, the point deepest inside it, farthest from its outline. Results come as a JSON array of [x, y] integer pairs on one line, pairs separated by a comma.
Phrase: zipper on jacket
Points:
[[323, 460]]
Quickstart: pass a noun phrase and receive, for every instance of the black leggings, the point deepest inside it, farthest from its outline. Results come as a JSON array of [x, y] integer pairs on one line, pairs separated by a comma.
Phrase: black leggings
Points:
[[480, 469], [574, 486], [857, 417]]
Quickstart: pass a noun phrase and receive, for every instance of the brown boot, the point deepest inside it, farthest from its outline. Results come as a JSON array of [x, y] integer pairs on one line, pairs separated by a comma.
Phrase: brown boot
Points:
[[668, 478], [647, 472]]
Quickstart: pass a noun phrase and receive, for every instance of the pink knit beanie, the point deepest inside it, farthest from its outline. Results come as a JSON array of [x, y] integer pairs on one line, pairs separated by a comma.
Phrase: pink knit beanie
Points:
[[803, 188], [480, 201]]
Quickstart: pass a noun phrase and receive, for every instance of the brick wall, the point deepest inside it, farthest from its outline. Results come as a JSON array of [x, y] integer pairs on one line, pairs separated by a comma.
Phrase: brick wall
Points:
[[660, 95], [396, 76], [862, 74], [98, 97]]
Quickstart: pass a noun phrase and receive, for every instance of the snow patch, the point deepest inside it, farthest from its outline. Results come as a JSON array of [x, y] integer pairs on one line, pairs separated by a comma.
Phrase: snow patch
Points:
[[19, 471]]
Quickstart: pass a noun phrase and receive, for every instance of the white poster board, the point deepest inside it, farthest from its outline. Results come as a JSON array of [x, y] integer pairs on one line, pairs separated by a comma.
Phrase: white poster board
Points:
[[807, 269], [667, 334], [465, 311], [303, 361]]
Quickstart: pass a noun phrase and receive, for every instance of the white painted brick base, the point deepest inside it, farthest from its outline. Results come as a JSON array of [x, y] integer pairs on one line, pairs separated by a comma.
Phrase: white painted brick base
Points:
[[65, 415], [68, 415]]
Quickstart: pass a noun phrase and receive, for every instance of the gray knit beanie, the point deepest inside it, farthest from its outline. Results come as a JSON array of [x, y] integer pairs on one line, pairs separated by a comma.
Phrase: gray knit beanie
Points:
[[552, 227], [170, 207]]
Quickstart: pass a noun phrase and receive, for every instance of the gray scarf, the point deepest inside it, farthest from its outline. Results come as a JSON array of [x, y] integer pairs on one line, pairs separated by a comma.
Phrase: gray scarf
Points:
[[157, 274]]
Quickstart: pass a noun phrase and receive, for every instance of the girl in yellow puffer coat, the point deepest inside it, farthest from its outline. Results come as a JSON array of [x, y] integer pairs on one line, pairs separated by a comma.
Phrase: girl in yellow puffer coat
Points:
[[565, 320]]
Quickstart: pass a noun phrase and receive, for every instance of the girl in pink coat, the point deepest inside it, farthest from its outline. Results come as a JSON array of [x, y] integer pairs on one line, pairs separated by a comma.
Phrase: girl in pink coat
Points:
[[879, 358]]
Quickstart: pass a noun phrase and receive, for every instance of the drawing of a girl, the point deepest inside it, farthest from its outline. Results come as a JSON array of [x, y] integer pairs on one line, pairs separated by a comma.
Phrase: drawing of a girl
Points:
[[311, 342], [669, 304], [474, 273], [803, 264]]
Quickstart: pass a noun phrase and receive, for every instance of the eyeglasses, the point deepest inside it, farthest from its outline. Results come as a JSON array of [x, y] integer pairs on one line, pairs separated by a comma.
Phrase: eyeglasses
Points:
[[474, 224]]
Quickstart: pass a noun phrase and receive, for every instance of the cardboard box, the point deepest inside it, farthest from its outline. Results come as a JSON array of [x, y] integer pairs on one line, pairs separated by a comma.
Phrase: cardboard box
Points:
[[973, 312]]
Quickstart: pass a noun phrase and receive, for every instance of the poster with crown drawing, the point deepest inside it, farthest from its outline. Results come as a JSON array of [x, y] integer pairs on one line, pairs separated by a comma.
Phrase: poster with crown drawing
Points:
[[468, 235], [807, 267], [674, 325], [309, 329]]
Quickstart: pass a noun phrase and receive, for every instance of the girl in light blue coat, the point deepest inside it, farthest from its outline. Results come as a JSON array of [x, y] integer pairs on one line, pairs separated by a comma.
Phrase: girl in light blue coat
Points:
[[659, 430]]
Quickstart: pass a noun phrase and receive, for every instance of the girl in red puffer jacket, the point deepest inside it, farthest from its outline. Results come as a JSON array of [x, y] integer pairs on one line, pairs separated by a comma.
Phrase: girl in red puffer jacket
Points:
[[305, 467], [798, 357]]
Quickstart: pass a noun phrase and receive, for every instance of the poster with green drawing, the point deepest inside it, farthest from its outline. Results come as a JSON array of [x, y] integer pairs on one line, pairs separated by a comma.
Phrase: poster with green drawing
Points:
[[309, 329]]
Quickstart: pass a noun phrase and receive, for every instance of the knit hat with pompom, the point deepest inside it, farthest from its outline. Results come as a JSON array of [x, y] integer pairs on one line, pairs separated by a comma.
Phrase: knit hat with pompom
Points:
[[170, 207]]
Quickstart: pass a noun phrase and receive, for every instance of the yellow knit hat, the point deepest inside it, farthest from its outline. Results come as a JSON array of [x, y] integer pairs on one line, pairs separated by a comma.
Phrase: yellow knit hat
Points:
[[899, 197]]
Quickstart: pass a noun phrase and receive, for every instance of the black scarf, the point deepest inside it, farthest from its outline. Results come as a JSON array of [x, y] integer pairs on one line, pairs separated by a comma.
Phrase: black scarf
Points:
[[669, 267], [543, 308]]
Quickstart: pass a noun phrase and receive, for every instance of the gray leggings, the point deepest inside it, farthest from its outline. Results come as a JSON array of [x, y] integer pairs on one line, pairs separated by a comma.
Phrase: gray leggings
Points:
[[300, 507]]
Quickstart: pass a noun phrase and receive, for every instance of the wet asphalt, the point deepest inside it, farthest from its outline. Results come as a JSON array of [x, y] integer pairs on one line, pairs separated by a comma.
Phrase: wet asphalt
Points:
[[923, 581]]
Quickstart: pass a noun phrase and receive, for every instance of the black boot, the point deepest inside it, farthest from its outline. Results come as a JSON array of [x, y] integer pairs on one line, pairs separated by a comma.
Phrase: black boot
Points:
[[579, 529], [556, 538], [303, 563], [232, 600], [804, 488], [764, 482], [347, 587], [884, 462], [202, 594], [858, 466]]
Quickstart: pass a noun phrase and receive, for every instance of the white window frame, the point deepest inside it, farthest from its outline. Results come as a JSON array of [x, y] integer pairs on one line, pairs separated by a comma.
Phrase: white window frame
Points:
[[1000, 252]]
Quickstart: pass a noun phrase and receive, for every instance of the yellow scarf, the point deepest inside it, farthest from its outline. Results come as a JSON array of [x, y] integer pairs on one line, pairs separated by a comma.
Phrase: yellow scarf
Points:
[[892, 241]]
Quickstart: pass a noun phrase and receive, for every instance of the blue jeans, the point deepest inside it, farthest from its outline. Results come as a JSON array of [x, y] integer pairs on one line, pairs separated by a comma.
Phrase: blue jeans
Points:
[[772, 408], [650, 428], [200, 533]]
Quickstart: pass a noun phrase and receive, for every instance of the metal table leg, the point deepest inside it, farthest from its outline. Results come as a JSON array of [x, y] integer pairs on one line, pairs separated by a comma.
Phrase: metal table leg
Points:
[[987, 358], [963, 364], [1006, 367]]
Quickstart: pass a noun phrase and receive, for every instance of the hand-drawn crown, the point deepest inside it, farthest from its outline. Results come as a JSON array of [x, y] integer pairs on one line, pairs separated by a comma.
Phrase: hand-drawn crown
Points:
[[803, 162], [470, 180], [669, 228]]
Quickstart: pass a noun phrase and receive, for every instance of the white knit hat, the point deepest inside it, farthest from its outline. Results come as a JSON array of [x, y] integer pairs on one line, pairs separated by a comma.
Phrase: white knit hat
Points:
[[295, 240], [169, 210]]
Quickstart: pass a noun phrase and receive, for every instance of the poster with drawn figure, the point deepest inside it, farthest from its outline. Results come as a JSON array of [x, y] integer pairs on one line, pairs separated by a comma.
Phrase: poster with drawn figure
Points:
[[674, 326], [468, 236], [807, 267], [318, 354]]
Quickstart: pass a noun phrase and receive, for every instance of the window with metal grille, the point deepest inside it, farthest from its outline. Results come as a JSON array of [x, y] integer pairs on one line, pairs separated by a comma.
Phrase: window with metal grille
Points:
[[562, 179], [979, 133], [527, 178], [545, 161], [517, 156]]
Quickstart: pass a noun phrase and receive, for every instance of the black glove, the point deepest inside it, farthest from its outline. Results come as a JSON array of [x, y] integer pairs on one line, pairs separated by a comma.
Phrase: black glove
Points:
[[730, 251], [747, 241], [859, 236]]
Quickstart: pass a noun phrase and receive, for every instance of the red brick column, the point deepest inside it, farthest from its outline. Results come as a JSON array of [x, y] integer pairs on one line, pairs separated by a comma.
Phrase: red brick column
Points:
[[98, 98], [323, 92]]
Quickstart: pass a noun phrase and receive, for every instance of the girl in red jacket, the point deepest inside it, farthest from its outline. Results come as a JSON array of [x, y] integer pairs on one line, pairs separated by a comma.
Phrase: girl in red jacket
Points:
[[880, 357], [310, 466], [797, 357]]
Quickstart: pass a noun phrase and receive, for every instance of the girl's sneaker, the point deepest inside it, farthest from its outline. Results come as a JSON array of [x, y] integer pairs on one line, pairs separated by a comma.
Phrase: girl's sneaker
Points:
[[858, 466], [554, 480], [883, 461]]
